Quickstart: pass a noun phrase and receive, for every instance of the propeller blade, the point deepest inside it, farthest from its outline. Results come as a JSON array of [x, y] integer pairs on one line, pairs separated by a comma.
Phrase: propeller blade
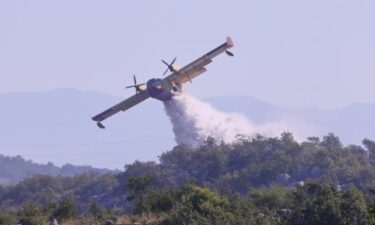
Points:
[[134, 86], [135, 80], [174, 60], [165, 62], [166, 71]]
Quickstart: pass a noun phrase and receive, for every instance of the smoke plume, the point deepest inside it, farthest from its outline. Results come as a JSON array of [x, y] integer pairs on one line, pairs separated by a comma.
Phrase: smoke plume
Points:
[[194, 121]]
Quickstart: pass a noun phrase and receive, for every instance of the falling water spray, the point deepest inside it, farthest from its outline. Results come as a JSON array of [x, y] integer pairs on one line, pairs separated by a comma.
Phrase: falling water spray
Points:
[[194, 121]]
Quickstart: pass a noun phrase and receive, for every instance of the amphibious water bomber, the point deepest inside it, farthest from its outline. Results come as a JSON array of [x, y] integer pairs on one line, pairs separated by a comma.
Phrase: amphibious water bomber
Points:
[[164, 89]]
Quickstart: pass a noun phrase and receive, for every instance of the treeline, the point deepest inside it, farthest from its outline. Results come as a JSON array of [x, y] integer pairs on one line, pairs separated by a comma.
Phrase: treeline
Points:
[[257, 180], [260, 162], [309, 204], [14, 169]]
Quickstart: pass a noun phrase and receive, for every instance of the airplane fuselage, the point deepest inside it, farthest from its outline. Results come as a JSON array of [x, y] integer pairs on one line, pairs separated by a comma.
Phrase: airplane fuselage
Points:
[[161, 89]]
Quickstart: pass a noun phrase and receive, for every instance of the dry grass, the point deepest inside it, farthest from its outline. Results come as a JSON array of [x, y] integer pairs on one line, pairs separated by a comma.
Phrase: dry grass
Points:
[[121, 220]]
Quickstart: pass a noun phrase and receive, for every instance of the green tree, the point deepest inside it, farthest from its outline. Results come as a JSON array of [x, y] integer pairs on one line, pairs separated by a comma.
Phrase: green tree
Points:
[[31, 214], [316, 204], [353, 208], [270, 200], [371, 210], [138, 190], [160, 201], [65, 209], [95, 211], [7, 218], [198, 205], [370, 146], [331, 141]]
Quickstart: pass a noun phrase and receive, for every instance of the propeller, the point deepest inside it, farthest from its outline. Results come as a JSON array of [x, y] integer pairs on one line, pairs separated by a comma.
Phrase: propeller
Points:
[[170, 66], [135, 85]]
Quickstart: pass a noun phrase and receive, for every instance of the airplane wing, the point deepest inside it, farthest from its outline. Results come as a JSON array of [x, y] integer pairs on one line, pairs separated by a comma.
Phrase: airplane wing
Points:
[[194, 69], [122, 106]]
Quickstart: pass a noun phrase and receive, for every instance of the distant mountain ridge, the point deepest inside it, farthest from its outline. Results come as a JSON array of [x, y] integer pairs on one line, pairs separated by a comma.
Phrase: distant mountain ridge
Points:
[[56, 126], [351, 123], [14, 169]]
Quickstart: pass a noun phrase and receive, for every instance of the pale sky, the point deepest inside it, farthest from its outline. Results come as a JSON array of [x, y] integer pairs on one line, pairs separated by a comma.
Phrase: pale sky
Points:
[[290, 53]]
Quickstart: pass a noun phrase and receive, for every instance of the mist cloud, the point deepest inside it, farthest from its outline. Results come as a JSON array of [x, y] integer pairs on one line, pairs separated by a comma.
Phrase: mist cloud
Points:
[[194, 121]]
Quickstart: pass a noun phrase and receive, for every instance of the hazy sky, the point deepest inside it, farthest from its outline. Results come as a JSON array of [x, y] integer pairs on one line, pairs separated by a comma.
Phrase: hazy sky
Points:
[[291, 53]]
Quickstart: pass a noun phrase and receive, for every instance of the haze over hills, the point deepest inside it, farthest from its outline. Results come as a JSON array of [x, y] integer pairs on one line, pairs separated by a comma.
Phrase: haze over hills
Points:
[[56, 126], [14, 169], [351, 123]]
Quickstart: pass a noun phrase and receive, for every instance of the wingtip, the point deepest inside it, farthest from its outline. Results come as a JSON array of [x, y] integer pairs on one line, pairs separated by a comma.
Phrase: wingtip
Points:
[[229, 42]]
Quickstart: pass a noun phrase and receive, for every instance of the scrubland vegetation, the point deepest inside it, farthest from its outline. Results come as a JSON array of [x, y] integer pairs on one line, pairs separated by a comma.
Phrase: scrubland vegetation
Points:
[[256, 180]]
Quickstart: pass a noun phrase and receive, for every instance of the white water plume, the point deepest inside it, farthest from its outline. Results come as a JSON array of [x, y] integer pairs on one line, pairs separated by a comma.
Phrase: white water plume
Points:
[[194, 121]]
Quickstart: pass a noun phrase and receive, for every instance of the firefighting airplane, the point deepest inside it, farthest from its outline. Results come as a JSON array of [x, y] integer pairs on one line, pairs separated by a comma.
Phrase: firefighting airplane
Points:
[[164, 89]]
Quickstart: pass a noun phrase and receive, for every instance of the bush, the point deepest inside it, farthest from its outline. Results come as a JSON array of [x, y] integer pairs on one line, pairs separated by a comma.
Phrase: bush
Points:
[[31, 214], [7, 218]]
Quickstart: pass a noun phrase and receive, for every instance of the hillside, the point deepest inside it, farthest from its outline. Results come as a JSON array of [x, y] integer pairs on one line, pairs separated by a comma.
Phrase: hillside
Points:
[[275, 177], [253, 162], [14, 169], [56, 126]]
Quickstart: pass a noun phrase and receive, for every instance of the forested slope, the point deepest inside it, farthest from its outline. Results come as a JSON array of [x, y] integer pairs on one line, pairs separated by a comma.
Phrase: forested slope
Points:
[[257, 180]]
